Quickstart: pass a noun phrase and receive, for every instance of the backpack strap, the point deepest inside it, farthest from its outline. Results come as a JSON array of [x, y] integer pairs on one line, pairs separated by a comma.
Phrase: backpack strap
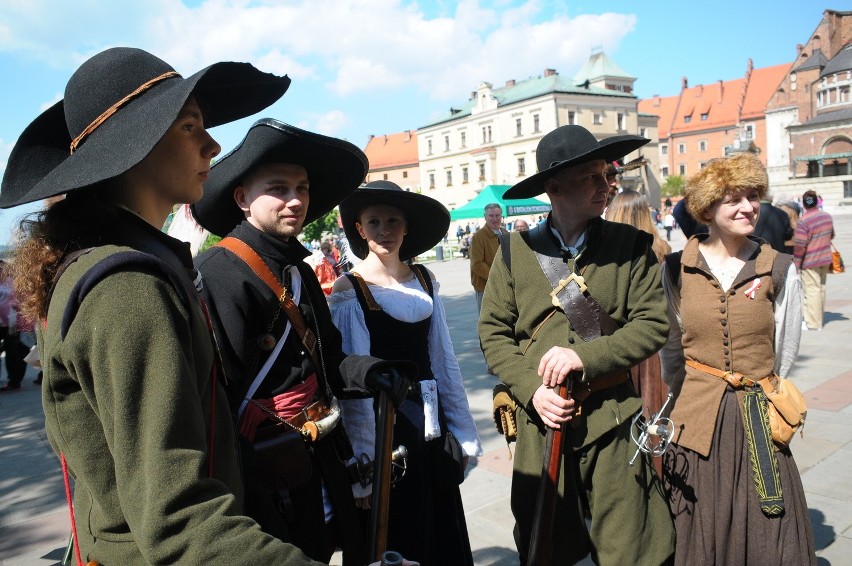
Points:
[[505, 249], [130, 260], [423, 276]]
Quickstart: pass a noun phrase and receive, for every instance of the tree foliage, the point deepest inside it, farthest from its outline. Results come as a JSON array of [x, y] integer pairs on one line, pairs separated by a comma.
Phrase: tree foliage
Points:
[[673, 187], [320, 226]]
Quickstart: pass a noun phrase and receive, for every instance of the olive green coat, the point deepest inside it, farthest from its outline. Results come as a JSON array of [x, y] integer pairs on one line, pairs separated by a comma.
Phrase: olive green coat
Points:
[[129, 400], [622, 275]]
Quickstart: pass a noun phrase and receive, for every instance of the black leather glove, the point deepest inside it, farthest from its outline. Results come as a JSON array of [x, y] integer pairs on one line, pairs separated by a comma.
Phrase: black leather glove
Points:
[[388, 379]]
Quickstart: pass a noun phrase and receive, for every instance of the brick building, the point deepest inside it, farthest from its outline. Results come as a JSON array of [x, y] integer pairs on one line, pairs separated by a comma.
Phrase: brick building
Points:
[[393, 157], [810, 116], [703, 122]]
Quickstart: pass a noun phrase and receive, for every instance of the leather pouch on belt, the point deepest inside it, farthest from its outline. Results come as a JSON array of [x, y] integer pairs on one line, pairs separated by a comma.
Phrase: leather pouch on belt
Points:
[[283, 461]]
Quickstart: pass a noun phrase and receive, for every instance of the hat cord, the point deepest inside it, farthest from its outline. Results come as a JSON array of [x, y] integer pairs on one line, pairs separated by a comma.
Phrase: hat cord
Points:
[[115, 107]]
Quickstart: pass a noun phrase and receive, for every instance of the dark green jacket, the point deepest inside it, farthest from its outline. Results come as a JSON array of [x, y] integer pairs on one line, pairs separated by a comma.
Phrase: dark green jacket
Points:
[[622, 275], [130, 401], [518, 326]]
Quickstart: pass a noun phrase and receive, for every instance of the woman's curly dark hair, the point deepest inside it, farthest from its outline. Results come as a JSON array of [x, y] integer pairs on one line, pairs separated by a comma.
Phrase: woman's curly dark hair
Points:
[[46, 237]]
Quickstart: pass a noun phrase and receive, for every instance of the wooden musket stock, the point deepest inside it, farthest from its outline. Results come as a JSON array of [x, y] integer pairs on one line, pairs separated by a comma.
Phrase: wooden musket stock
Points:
[[381, 476], [541, 537]]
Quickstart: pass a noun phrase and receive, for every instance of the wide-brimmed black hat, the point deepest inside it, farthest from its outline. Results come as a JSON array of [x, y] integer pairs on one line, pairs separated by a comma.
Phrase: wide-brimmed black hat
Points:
[[567, 146], [335, 169], [426, 219], [117, 106]]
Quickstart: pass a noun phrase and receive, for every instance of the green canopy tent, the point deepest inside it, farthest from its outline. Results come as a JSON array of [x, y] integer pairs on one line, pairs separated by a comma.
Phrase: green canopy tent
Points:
[[494, 193]]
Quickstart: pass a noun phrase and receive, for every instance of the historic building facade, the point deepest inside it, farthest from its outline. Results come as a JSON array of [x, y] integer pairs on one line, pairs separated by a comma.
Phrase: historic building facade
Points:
[[491, 138], [809, 116], [708, 121], [393, 157]]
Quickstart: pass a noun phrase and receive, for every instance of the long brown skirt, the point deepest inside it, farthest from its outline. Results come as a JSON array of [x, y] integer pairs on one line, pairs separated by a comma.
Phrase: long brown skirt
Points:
[[715, 507]]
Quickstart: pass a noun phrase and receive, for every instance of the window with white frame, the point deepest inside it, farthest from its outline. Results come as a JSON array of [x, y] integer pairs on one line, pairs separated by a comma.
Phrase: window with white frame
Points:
[[518, 127], [463, 139], [702, 145], [664, 149], [664, 171], [428, 147], [431, 179], [681, 148], [481, 166], [572, 118], [681, 169], [522, 166], [597, 119], [447, 143], [449, 177], [620, 121], [464, 175], [536, 125]]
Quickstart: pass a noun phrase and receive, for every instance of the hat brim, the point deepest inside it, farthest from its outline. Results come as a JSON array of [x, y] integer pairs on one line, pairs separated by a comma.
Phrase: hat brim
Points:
[[335, 169], [426, 219], [41, 165], [609, 150]]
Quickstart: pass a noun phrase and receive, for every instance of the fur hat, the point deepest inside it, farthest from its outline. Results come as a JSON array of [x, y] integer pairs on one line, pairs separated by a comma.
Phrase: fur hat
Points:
[[426, 219], [721, 177], [117, 106]]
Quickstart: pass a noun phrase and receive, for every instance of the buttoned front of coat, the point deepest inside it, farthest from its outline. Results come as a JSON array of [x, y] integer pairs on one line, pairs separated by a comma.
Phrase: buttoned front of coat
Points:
[[731, 330]]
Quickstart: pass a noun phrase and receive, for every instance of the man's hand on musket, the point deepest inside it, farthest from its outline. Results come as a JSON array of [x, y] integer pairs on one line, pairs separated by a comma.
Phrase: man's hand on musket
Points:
[[556, 364], [553, 409]]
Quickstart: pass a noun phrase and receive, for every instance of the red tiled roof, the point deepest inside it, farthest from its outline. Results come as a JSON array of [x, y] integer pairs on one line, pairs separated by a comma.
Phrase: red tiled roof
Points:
[[662, 106], [764, 83], [724, 102], [392, 150]]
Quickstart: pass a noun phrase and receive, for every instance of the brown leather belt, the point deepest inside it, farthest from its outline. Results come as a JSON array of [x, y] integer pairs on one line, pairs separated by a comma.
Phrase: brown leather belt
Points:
[[580, 389], [734, 378], [314, 412]]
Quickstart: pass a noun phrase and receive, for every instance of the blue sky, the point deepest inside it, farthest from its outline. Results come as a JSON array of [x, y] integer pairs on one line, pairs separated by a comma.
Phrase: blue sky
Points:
[[362, 67]]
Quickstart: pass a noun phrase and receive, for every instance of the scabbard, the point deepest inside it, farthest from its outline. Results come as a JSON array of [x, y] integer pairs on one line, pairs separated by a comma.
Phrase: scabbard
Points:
[[541, 537]]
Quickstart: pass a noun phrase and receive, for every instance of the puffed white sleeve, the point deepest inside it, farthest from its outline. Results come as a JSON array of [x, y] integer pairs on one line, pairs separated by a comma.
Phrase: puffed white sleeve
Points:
[[788, 322], [445, 368], [359, 418]]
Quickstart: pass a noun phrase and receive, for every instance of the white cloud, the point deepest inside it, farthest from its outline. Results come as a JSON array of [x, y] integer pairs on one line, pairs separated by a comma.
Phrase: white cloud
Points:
[[352, 46], [5, 150], [331, 123], [56, 98]]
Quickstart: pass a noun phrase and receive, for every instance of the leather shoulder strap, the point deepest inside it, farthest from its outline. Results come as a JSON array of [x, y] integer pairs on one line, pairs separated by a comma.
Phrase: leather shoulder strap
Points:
[[423, 276], [363, 289], [290, 308], [113, 263], [243, 251]]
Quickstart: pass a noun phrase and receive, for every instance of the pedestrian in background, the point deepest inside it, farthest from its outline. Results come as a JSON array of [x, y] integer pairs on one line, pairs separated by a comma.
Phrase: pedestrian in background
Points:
[[10, 333], [668, 223], [520, 226], [483, 247], [812, 255], [773, 225]]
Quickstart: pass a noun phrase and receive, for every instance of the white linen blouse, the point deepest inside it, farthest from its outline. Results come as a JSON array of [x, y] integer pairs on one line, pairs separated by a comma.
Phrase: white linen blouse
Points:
[[407, 302]]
